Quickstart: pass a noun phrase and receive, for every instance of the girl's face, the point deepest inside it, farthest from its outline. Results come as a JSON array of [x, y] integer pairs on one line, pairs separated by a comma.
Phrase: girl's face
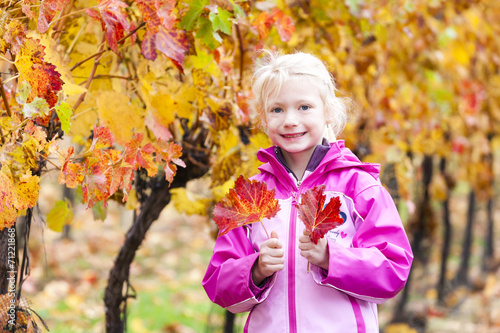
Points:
[[295, 120]]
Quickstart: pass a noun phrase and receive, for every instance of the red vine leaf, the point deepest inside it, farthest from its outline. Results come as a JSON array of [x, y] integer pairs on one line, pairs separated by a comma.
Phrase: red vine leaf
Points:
[[169, 152], [136, 156], [317, 217], [45, 82], [48, 9], [113, 20], [174, 44], [95, 186], [248, 202]]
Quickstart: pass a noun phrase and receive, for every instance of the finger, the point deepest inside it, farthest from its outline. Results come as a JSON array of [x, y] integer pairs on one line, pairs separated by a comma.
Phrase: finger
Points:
[[274, 243], [304, 239], [274, 234], [306, 232], [277, 253], [304, 246]]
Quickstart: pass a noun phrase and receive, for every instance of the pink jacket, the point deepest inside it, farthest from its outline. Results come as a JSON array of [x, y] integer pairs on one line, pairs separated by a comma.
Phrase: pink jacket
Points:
[[370, 256]]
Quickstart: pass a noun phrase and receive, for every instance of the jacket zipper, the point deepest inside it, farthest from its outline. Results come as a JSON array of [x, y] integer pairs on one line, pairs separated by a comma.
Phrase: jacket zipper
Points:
[[291, 268]]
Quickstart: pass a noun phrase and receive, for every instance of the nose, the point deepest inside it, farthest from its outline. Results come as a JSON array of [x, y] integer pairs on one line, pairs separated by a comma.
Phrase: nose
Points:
[[291, 119]]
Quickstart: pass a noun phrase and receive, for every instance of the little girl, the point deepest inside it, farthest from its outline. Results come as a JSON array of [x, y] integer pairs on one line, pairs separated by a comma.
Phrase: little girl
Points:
[[357, 265]]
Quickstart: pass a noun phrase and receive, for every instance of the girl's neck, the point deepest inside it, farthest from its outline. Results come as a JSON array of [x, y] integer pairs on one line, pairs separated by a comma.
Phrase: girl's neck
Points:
[[297, 163]]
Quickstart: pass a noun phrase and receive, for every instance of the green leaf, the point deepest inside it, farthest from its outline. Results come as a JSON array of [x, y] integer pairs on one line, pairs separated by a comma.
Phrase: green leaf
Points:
[[220, 21], [193, 14], [59, 216], [23, 92], [239, 11], [206, 33], [64, 112], [99, 211], [38, 107]]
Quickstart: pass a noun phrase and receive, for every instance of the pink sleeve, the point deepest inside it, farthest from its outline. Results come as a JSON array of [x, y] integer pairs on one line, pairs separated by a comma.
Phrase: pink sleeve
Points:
[[376, 266], [228, 279]]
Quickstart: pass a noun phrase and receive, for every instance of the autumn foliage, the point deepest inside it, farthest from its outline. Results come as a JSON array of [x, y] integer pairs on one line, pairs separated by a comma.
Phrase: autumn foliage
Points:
[[318, 217], [103, 95], [248, 202]]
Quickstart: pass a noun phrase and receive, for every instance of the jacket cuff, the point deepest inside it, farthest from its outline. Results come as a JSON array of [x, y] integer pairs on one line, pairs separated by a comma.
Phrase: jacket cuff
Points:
[[260, 292]]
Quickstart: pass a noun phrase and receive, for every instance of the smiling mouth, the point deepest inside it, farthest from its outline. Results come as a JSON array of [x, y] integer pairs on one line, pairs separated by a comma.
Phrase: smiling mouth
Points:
[[296, 135]]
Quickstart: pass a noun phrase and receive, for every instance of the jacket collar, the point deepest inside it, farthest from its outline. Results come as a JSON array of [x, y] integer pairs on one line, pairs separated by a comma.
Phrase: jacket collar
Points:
[[337, 157]]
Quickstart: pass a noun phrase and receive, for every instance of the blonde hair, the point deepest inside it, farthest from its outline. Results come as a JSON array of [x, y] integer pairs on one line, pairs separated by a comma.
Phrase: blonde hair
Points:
[[274, 69]]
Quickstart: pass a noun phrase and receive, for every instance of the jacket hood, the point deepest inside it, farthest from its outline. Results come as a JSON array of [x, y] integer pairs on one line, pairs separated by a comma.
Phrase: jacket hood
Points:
[[338, 157]]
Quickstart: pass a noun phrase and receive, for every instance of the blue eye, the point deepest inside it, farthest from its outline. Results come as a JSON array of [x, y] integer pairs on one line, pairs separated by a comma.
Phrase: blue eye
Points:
[[276, 110], [304, 107]]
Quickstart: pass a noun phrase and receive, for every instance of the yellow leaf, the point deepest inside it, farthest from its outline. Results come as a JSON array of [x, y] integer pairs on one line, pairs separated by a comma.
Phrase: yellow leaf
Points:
[[84, 117], [184, 99], [164, 108], [26, 191], [221, 190], [7, 217], [59, 216], [131, 200], [120, 115], [189, 203], [73, 89], [7, 191]]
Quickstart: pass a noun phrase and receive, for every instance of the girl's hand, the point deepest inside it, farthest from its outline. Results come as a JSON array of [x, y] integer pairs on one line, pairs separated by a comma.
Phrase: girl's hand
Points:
[[315, 253], [271, 259]]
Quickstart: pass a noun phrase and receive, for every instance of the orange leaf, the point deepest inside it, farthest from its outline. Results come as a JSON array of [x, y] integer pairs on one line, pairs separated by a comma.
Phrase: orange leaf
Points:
[[45, 82], [284, 24], [319, 219], [263, 23], [15, 35], [6, 189], [248, 202], [169, 152], [8, 217], [26, 191], [95, 186], [103, 138], [121, 178], [136, 156], [71, 173]]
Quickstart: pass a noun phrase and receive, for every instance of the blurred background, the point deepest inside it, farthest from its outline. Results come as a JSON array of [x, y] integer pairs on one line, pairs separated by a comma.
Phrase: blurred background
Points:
[[424, 81]]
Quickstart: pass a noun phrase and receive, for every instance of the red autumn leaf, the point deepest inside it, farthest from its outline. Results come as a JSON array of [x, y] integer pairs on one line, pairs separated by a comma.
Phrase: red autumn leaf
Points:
[[45, 82], [103, 138], [169, 152], [148, 46], [149, 15], [248, 202], [113, 20], [48, 9], [174, 44], [319, 219]]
